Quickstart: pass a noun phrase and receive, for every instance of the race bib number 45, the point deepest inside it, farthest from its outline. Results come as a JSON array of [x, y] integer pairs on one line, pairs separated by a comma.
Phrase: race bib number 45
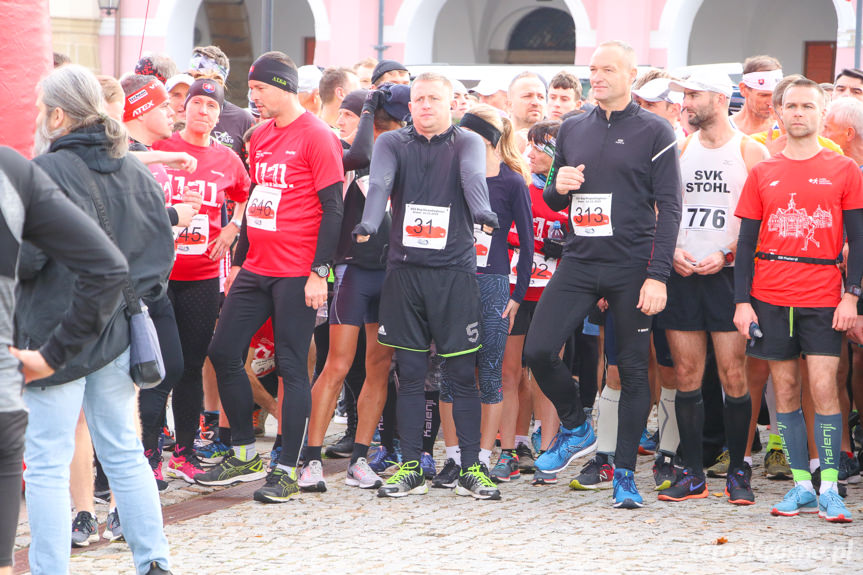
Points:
[[263, 208], [193, 239], [591, 215], [425, 227]]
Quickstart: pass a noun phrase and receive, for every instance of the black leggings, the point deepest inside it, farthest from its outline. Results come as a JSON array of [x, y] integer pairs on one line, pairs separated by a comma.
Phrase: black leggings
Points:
[[151, 402], [387, 424], [467, 412], [12, 427], [570, 295], [252, 299], [196, 305]]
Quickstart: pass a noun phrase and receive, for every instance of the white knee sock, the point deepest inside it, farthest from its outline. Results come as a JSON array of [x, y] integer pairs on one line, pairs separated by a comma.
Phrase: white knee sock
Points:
[[606, 421], [669, 436]]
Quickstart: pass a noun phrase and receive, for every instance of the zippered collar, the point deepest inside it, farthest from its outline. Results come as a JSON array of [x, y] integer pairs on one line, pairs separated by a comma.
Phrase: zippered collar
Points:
[[631, 109]]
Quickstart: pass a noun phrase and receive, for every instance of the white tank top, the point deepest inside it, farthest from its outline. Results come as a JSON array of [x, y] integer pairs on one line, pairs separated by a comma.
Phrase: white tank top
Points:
[[712, 182]]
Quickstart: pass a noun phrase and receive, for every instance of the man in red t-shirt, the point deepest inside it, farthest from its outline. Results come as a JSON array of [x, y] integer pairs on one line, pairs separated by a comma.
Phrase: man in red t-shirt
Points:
[[292, 223], [793, 208]]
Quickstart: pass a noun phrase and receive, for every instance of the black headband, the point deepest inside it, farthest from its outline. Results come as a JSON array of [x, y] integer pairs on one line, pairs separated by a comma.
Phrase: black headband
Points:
[[481, 127], [209, 88], [274, 73]]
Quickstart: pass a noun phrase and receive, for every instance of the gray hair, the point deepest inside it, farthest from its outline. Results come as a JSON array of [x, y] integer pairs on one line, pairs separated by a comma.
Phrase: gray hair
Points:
[[848, 112], [76, 91], [628, 51]]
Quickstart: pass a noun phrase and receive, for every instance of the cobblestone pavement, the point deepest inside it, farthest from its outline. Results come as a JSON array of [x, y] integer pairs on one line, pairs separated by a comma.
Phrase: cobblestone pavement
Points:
[[548, 529]]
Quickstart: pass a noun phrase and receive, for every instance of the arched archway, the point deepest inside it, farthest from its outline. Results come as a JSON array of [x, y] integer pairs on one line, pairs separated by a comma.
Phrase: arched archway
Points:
[[544, 36]]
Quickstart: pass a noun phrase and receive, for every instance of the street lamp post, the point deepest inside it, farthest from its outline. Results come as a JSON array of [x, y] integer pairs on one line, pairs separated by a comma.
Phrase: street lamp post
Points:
[[112, 8]]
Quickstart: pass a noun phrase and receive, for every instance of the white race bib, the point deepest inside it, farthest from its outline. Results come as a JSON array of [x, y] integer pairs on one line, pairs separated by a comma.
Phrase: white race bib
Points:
[[263, 365], [482, 243], [263, 208], [591, 215], [194, 238], [541, 270], [704, 218], [425, 227]]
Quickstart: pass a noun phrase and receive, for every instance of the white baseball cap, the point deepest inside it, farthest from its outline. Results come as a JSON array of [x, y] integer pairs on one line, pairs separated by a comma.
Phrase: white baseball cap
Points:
[[658, 90], [308, 78], [489, 86], [177, 79], [705, 81], [457, 86]]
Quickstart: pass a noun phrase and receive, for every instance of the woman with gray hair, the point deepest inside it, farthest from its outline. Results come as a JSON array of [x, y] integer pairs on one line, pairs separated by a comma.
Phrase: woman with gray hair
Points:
[[84, 152]]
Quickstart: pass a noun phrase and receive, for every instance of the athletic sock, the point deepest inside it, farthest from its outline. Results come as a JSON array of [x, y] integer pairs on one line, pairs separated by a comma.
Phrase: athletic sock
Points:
[[245, 452], [807, 485], [792, 430], [485, 457], [737, 413], [689, 407], [814, 464], [454, 453], [828, 433], [748, 459], [606, 420], [522, 440], [291, 471], [669, 436], [774, 441], [360, 450], [312, 453]]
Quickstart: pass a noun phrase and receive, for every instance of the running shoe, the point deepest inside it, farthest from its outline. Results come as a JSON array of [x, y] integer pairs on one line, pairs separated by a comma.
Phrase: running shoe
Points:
[[85, 529], [167, 439], [312, 477], [233, 470], [381, 460], [797, 500], [154, 458], [626, 494], [361, 475], [259, 420], [476, 483], [279, 487], [775, 465], [541, 477], [428, 465], [664, 472], [849, 469], [842, 488], [525, 458], [342, 448], [832, 508], [101, 489], [156, 569], [648, 443], [208, 425], [113, 530], [536, 439], [448, 476], [687, 486], [720, 468], [506, 468], [213, 452], [275, 454], [737, 486], [595, 475], [408, 480], [568, 445], [184, 464]]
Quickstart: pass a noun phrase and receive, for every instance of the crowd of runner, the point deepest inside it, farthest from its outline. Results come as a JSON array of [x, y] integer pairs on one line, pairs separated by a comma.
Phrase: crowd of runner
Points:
[[519, 265]]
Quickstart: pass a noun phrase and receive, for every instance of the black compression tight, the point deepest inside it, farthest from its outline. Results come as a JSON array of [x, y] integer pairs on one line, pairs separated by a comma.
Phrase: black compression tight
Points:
[[12, 426], [252, 299], [196, 307]]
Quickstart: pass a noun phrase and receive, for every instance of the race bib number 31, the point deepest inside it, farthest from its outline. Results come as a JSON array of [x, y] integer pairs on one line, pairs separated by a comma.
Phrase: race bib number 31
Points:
[[263, 208], [591, 215], [193, 239], [425, 227]]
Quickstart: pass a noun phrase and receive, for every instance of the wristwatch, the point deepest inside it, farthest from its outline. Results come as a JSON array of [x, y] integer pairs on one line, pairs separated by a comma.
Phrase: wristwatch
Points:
[[728, 255], [322, 270], [854, 290]]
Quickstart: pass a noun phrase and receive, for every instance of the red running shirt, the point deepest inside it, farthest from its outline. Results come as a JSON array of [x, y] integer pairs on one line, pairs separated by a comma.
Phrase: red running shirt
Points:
[[290, 165], [543, 220], [800, 204], [220, 174]]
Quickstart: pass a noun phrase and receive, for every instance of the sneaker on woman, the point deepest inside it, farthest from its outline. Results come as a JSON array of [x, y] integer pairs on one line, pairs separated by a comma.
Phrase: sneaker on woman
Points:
[[185, 465]]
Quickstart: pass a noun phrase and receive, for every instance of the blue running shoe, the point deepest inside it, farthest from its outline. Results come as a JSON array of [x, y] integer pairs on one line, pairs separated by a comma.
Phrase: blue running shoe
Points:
[[797, 500], [428, 465], [213, 452], [648, 443], [626, 494], [380, 459], [568, 445], [536, 439], [832, 508]]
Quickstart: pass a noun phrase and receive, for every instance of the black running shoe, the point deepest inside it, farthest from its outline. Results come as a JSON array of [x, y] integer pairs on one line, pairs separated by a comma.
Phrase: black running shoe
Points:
[[664, 472], [408, 480], [279, 487], [342, 448], [448, 476], [687, 486], [737, 486], [476, 483]]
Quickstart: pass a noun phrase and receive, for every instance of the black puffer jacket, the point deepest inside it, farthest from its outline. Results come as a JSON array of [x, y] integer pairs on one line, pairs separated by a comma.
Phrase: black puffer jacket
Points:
[[136, 208]]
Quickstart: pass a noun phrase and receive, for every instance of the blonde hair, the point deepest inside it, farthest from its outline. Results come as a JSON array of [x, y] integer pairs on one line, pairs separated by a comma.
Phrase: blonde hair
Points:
[[506, 147]]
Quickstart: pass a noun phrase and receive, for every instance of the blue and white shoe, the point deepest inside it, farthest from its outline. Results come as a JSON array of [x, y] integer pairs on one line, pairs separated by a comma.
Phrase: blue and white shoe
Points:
[[428, 465], [626, 495], [648, 443], [568, 445], [832, 507], [213, 452], [380, 459], [797, 500]]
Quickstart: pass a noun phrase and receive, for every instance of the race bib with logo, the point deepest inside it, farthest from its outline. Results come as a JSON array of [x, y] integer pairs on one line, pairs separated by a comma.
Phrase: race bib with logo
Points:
[[482, 243], [263, 208], [541, 269], [591, 215], [194, 238], [425, 227]]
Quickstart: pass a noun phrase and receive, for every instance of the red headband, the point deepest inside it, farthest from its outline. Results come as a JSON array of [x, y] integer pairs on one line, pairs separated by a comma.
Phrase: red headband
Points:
[[144, 100]]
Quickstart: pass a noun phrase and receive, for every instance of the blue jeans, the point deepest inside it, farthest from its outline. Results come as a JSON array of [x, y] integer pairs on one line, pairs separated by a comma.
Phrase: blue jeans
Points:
[[108, 398]]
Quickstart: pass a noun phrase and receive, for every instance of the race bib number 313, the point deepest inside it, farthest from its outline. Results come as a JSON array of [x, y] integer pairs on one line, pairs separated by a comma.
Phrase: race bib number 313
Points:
[[263, 208], [591, 215], [425, 227]]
